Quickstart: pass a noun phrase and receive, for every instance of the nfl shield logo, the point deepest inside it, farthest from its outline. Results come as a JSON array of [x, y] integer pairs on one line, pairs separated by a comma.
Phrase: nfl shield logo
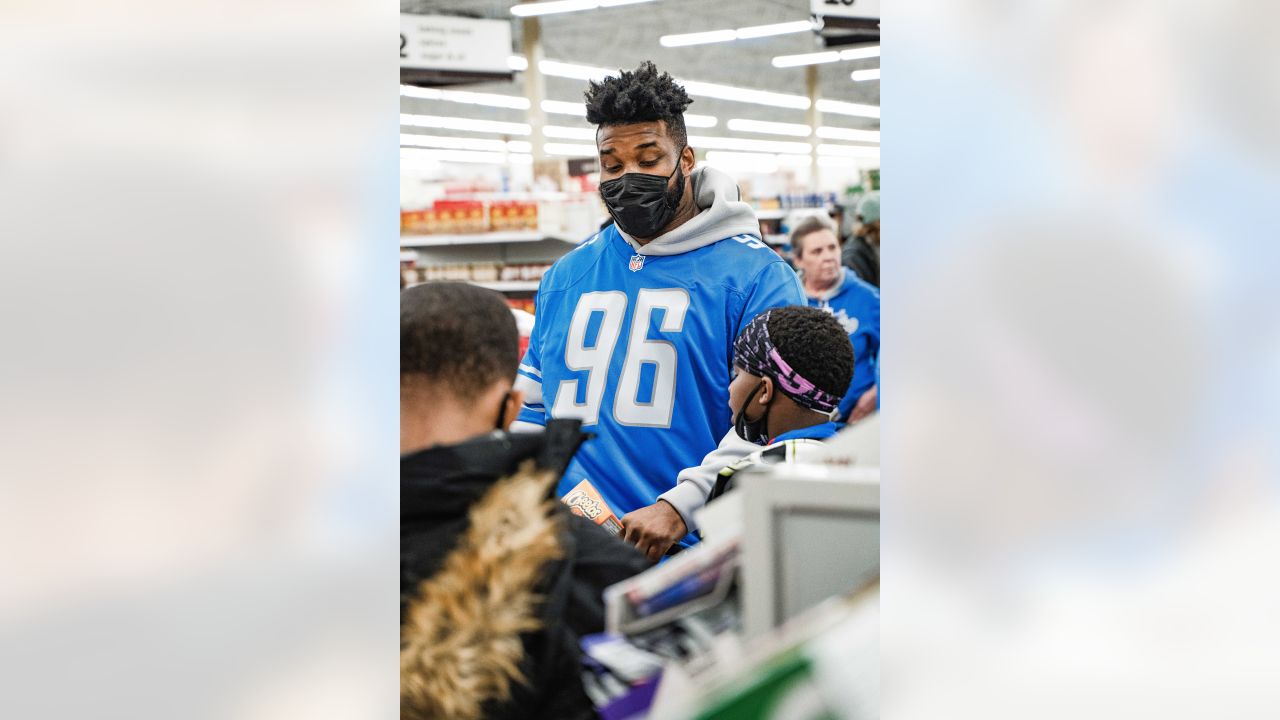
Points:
[[637, 262]]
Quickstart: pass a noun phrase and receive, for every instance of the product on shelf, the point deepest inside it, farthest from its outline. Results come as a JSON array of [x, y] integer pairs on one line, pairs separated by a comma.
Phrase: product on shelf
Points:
[[484, 272], [525, 304]]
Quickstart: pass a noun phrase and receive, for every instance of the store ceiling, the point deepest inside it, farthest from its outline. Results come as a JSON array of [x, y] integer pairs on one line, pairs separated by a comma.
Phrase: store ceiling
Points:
[[624, 36]]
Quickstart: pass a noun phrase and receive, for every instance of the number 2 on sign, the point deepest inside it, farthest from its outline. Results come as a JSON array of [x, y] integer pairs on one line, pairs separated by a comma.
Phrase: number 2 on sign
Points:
[[627, 408]]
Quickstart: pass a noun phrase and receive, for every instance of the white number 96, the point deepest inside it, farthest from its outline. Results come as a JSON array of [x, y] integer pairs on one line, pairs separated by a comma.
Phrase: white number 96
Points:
[[627, 408]]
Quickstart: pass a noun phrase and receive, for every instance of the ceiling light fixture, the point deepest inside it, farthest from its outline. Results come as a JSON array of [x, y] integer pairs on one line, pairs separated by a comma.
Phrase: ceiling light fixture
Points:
[[786, 28], [514, 102], [846, 108], [559, 107], [531, 9], [452, 143], [744, 33], [849, 150], [465, 124], [419, 156], [860, 53], [569, 133], [737, 94], [758, 162], [569, 149], [828, 56], [783, 61], [564, 108], [848, 163], [836, 133], [863, 75], [698, 38], [770, 128], [768, 146], [574, 71]]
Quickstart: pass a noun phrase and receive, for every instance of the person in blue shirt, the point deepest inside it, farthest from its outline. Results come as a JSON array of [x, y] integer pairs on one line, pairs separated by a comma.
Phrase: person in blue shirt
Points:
[[855, 303], [634, 328]]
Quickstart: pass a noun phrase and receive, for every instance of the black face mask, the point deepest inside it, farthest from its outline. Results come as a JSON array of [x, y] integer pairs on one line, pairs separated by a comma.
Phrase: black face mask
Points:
[[754, 431], [642, 204]]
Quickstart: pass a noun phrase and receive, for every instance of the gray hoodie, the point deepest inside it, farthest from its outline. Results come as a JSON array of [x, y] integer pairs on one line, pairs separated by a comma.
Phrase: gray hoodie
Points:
[[723, 214]]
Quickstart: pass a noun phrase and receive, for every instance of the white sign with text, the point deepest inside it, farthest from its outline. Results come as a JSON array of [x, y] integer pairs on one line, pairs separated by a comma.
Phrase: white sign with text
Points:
[[846, 8], [437, 42]]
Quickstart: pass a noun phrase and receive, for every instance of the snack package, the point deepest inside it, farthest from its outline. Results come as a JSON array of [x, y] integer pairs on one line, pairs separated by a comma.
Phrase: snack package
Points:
[[586, 501]]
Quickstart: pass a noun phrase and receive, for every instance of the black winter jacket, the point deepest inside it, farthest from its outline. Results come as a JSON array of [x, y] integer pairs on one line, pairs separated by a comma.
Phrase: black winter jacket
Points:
[[498, 581]]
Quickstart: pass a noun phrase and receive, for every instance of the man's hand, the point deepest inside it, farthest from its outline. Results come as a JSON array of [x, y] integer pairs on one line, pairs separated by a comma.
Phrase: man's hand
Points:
[[653, 529], [865, 406]]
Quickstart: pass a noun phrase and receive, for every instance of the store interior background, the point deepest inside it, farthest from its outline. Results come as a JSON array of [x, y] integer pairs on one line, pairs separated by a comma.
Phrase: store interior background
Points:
[[498, 171]]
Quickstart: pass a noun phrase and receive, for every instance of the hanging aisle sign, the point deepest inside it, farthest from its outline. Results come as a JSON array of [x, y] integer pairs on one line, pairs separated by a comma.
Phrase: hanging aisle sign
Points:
[[438, 42], [856, 9]]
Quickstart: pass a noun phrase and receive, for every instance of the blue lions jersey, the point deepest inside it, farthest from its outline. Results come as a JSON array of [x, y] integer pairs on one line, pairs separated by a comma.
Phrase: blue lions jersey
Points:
[[640, 349], [856, 304]]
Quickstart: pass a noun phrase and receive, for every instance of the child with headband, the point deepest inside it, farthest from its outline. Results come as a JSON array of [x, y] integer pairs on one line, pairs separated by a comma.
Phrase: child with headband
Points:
[[792, 366]]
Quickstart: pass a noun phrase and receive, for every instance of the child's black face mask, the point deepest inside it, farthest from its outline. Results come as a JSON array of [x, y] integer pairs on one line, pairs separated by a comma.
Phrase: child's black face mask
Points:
[[754, 431]]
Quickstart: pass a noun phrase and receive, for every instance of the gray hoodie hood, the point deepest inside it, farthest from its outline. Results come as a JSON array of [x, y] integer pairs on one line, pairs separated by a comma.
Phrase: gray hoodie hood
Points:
[[722, 215]]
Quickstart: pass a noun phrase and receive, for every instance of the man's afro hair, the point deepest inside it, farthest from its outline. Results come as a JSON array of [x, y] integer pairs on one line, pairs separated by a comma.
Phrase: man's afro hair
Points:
[[642, 95]]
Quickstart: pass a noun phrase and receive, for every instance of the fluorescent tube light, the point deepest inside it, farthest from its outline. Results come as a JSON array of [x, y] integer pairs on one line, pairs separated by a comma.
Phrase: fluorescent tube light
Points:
[[758, 162], [418, 156], [786, 28], [849, 150], [768, 146], [462, 96], [531, 9], [783, 61], [698, 38], [569, 149], [771, 128], [862, 75], [556, 6], [574, 71], [860, 53], [465, 124], [564, 108], [844, 108], [569, 133], [452, 143], [847, 163], [827, 56], [745, 33], [836, 133]]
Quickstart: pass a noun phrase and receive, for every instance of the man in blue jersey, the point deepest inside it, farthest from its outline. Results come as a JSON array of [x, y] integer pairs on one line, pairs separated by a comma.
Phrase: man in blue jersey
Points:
[[855, 303], [635, 328]]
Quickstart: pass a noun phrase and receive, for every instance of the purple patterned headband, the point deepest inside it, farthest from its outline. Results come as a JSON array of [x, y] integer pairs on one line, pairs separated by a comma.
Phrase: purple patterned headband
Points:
[[756, 354]]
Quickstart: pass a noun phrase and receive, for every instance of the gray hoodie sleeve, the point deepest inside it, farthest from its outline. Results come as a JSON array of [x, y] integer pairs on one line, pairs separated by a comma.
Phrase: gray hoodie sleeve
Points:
[[694, 484]]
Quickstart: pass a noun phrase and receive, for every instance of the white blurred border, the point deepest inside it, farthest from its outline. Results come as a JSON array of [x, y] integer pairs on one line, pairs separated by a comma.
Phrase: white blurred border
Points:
[[198, 412], [1081, 339]]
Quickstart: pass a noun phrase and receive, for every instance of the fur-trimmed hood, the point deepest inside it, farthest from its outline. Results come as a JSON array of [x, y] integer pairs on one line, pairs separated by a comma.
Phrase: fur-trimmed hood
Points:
[[461, 646]]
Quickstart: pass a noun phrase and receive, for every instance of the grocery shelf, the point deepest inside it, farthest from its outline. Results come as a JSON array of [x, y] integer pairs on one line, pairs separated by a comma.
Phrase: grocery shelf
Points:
[[779, 213], [473, 238], [500, 286], [509, 285]]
